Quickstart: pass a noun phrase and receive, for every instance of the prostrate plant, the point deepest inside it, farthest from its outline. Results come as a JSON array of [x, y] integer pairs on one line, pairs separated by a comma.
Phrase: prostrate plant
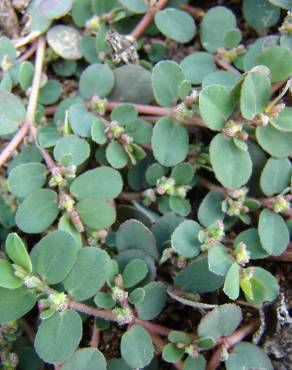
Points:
[[98, 177]]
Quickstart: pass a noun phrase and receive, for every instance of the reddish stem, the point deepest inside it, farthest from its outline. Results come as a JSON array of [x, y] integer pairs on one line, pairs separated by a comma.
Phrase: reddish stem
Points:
[[227, 343], [228, 67], [95, 335], [141, 108], [148, 18], [153, 328], [13, 144], [89, 310]]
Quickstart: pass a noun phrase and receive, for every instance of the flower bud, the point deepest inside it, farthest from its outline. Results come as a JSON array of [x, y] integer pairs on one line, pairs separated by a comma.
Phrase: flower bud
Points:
[[58, 301]]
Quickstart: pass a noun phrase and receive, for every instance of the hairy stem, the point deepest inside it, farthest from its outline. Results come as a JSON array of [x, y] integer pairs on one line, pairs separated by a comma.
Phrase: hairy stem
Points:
[[148, 18], [227, 343]]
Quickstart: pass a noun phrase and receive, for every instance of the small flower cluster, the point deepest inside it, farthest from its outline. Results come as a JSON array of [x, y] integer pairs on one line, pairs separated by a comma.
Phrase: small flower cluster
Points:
[[282, 203], [234, 129], [212, 235], [241, 254], [53, 303], [123, 314], [60, 174], [234, 205], [229, 56], [165, 186]]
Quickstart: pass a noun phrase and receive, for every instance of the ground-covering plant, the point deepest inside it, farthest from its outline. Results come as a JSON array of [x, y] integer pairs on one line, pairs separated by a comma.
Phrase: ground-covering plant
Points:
[[145, 167]]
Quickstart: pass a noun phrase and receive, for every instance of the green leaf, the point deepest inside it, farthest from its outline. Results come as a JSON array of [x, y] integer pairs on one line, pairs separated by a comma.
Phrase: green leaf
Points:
[[247, 356], [197, 277], [286, 4], [182, 173], [216, 104], [171, 353], [166, 136], [88, 274], [65, 41], [50, 92], [154, 172], [275, 176], [96, 213], [26, 177], [179, 337], [260, 14], [197, 66], [175, 24], [181, 206], [210, 209], [134, 272], [75, 147], [17, 252], [38, 211], [64, 68], [276, 143], [198, 363], [59, 336], [219, 259], [103, 183], [101, 7], [53, 9], [135, 6], [273, 232], [132, 84], [116, 155], [214, 26], [7, 277], [132, 234], [80, 119], [97, 79], [221, 321], [223, 78], [283, 121], [12, 112], [166, 78], [98, 132], [7, 49], [15, 303], [81, 12], [264, 286], [153, 301], [26, 72], [231, 283], [279, 60], [54, 256], [38, 22], [164, 228], [86, 359], [66, 224], [232, 166], [184, 239], [104, 300], [255, 94], [232, 38], [136, 347], [251, 238], [61, 112]]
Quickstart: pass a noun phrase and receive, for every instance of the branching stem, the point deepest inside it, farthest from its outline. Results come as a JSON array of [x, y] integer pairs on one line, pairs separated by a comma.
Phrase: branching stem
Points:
[[227, 343]]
